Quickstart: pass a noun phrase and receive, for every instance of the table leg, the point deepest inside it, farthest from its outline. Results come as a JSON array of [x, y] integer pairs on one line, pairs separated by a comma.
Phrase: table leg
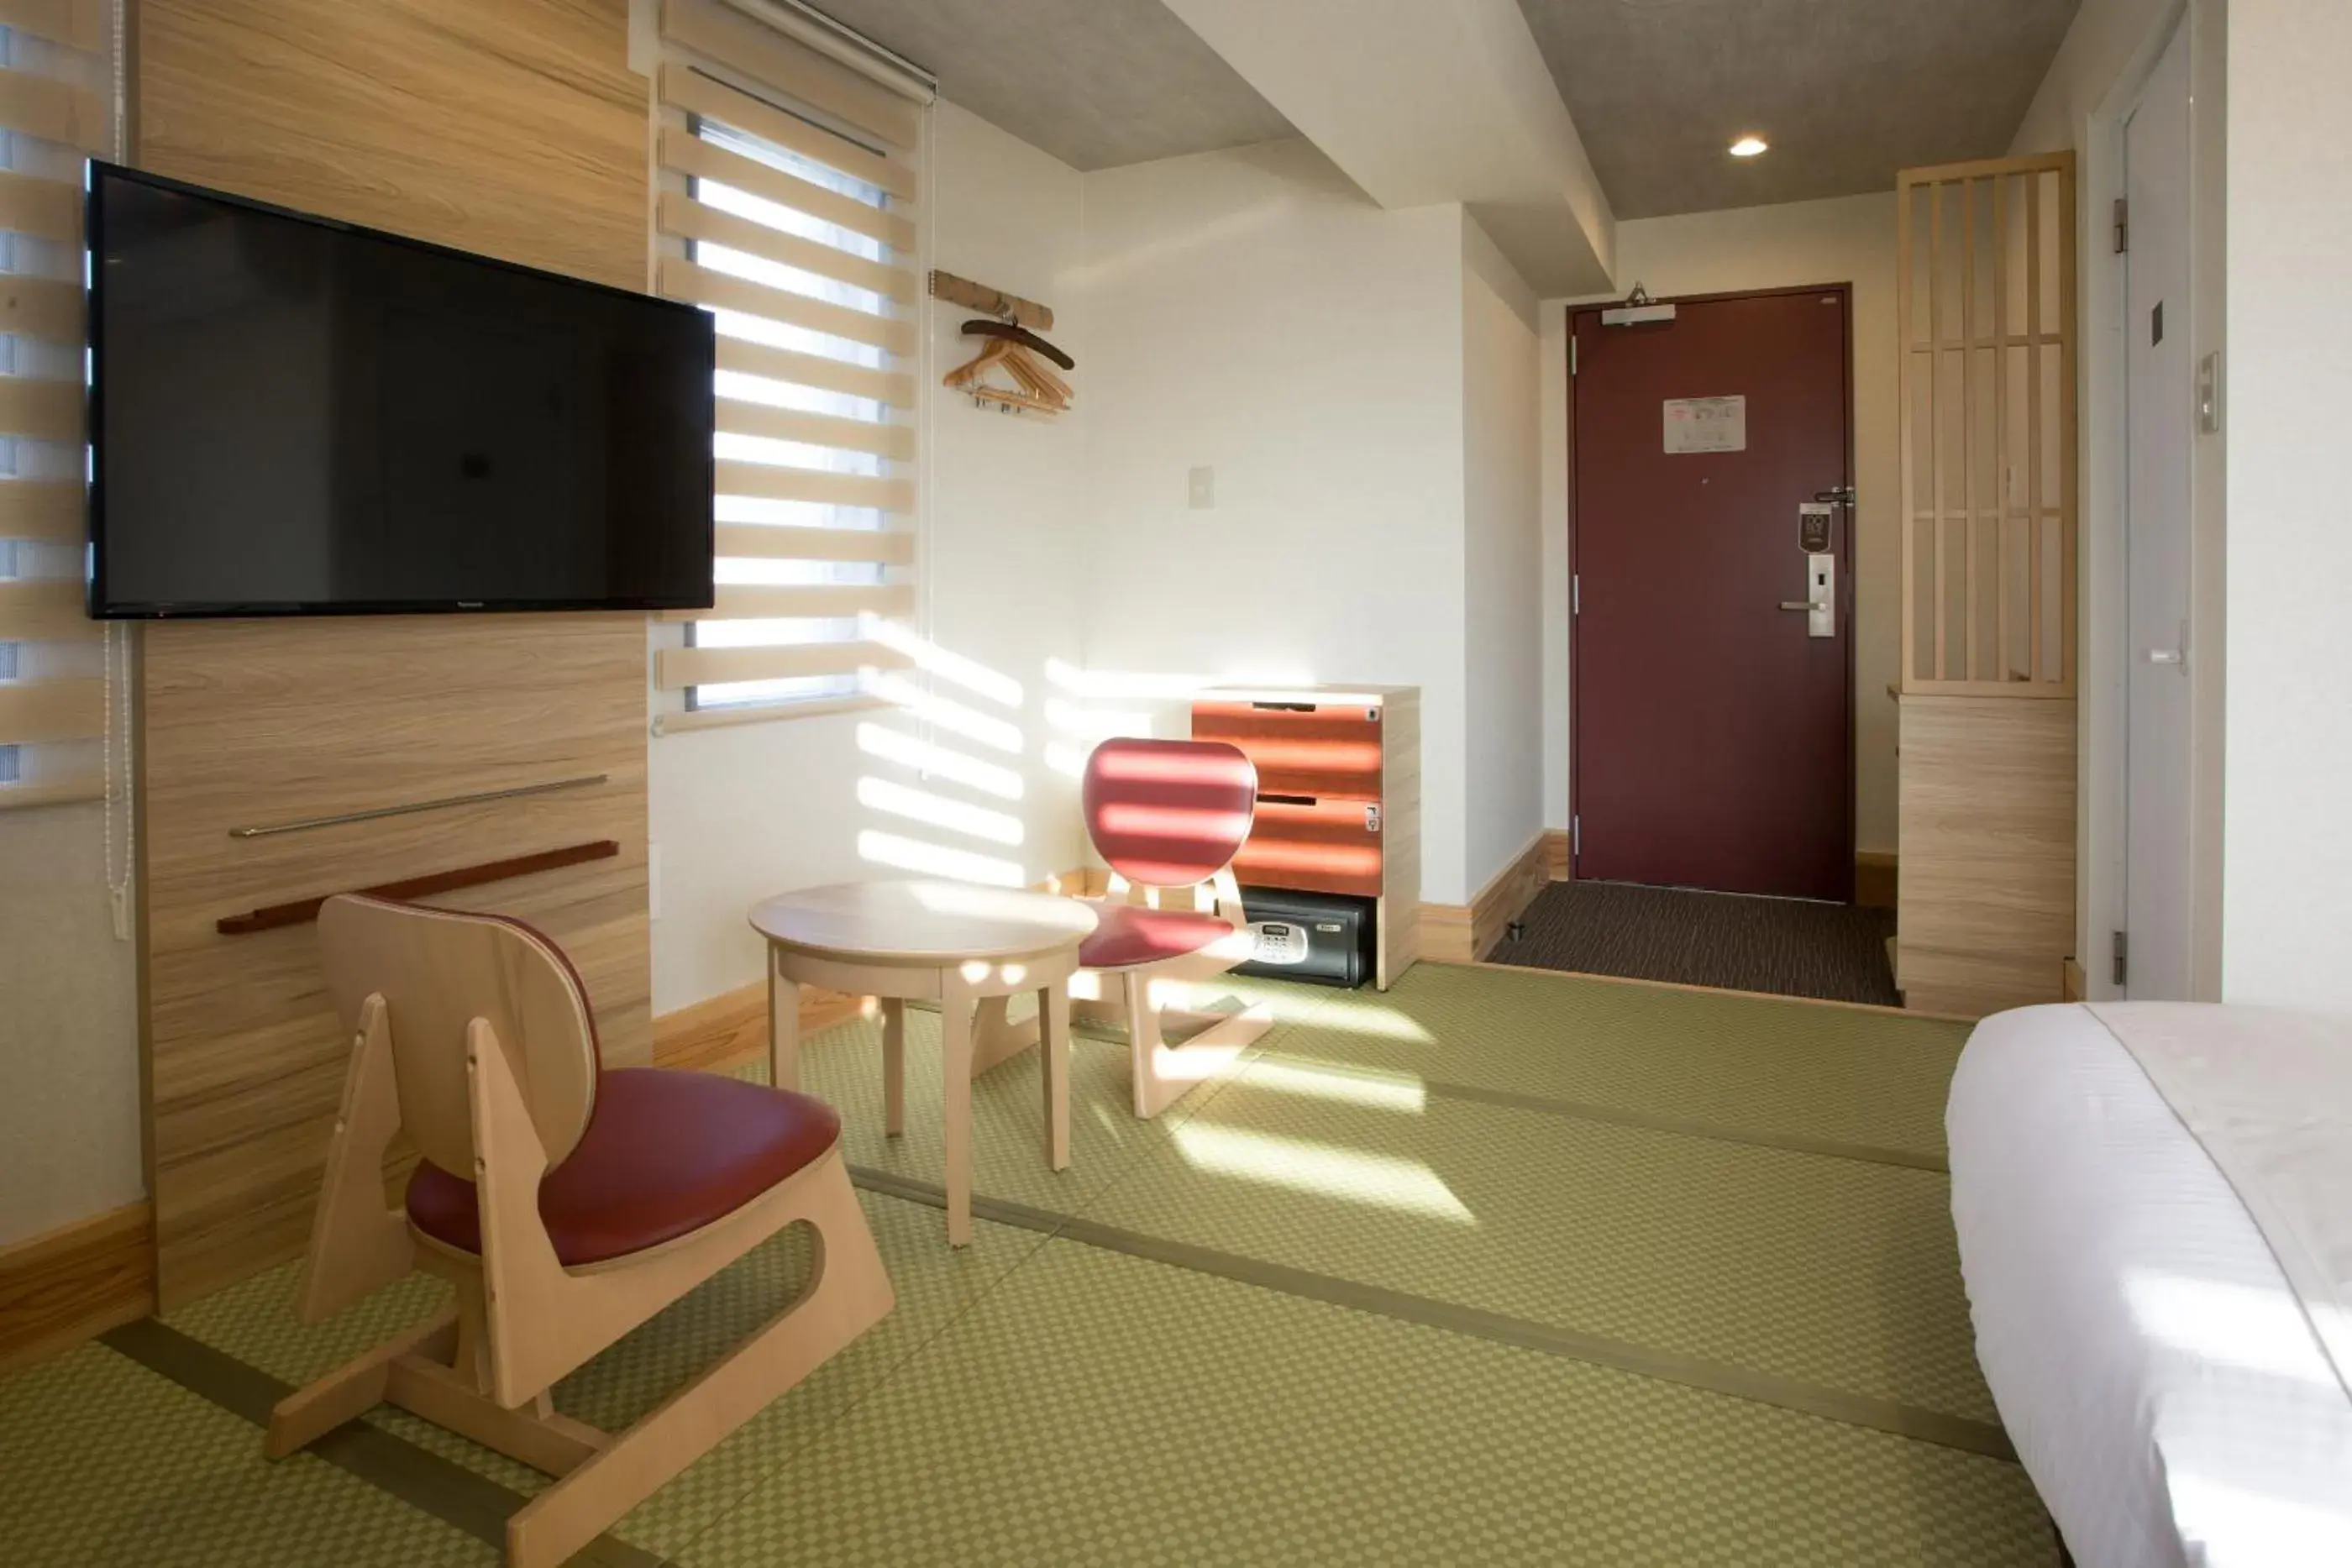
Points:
[[893, 1066], [1053, 1032], [784, 1026], [955, 1063]]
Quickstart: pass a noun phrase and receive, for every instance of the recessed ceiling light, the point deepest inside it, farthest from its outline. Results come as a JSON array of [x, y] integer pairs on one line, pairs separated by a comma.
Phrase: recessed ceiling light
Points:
[[1750, 147]]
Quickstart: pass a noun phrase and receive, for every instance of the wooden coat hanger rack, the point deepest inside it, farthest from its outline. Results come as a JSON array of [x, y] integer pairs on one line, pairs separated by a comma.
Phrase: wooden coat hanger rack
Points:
[[1011, 346]]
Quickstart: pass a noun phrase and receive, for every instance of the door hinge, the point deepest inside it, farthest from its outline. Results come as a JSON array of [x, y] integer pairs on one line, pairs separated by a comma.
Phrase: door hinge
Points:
[[1571, 354], [2122, 225], [2123, 955], [1575, 838], [1575, 594]]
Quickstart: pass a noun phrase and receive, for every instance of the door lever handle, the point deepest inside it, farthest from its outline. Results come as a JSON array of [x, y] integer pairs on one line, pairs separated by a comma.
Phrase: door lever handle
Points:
[[2166, 656], [1798, 604]]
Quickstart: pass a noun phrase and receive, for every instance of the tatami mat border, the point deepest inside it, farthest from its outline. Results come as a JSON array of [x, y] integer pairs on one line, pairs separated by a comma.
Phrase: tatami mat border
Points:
[[447, 1490], [1738, 1383], [481, 1506], [1618, 1115]]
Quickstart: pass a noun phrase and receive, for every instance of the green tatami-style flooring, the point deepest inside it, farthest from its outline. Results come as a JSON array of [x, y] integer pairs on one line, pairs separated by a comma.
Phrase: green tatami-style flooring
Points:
[[1498, 1268]]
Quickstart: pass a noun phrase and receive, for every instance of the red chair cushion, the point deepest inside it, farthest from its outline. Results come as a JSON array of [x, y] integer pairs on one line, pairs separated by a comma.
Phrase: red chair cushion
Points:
[[1125, 935], [666, 1153]]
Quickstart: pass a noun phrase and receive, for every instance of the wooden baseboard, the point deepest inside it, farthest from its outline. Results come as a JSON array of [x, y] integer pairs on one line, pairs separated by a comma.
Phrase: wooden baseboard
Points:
[[1453, 933], [732, 1027], [1874, 879], [1560, 862], [67, 1285], [2073, 985]]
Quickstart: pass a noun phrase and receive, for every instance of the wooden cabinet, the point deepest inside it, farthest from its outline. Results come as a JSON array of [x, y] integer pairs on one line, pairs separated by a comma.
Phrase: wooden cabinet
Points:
[[1339, 806], [1313, 844], [1985, 909], [1985, 914]]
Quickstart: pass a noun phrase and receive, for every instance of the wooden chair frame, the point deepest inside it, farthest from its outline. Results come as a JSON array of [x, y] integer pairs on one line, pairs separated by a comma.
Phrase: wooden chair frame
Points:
[[1208, 1040], [487, 1366]]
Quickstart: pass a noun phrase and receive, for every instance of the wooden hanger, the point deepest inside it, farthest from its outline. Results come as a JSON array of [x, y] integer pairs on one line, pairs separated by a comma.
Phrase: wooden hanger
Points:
[[1038, 389], [1021, 335], [964, 374]]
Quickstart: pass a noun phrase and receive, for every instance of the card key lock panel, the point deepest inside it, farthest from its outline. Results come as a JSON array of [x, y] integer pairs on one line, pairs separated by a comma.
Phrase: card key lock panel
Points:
[[1820, 602], [1821, 595]]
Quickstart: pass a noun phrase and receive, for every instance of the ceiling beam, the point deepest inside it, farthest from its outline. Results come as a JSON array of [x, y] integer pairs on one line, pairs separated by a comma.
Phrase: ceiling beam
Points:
[[1421, 103]]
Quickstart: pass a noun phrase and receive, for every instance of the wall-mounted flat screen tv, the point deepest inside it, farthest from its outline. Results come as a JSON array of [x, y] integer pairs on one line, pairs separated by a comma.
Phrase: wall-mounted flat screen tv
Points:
[[293, 416]]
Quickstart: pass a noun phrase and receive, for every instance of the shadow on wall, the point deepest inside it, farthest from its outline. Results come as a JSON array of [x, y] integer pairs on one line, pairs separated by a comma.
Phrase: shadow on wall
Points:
[[941, 774]]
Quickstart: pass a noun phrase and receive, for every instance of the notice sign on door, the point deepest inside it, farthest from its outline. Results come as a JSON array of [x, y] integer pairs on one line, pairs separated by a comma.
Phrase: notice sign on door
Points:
[[1706, 424]]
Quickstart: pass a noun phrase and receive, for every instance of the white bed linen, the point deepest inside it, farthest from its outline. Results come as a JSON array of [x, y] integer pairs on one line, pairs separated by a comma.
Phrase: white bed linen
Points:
[[2154, 1368], [2267, 1093]]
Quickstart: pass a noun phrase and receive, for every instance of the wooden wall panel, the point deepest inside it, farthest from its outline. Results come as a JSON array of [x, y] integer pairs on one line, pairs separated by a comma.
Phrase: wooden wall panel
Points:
[[251, 723], [512, 128]]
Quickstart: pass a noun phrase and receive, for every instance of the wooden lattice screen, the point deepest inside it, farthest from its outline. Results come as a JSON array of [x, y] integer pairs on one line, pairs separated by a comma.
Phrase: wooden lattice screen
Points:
[[1988, 321]]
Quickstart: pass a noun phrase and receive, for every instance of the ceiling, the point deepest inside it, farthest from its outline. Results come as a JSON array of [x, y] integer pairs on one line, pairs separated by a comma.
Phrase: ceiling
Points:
[[1846, 91], [1097, 83]]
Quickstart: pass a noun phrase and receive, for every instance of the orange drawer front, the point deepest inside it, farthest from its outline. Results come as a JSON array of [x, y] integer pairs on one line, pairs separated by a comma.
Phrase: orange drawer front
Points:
[[1320, 748], [1325, 846]]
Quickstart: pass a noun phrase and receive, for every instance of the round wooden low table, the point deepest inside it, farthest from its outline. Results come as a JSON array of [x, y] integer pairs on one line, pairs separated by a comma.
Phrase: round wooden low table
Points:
[[967, 948]]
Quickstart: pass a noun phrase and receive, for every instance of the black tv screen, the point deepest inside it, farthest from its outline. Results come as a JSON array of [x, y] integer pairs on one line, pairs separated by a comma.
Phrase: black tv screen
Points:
[[292, 416]]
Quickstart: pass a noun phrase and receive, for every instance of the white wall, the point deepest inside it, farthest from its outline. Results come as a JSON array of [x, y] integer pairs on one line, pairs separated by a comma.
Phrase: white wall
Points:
[[2287, 887], [1848, 239], [69, 1094], [1503, 557], [738, 813], [1251, 312]]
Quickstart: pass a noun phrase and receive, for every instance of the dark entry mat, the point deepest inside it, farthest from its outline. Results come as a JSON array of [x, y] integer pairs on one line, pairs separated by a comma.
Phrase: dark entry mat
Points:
[[1835, 952]]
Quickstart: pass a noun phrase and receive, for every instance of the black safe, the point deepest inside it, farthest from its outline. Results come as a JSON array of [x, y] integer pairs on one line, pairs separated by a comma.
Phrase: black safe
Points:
[[1321, 938]]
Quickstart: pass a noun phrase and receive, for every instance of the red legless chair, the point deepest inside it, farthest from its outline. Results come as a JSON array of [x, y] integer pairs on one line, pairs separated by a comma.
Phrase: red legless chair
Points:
[[565, 1202], [1168, 817]]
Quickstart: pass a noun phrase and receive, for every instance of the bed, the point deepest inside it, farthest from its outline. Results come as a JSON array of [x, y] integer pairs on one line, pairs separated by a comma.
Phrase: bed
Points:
[[2160, 1375]]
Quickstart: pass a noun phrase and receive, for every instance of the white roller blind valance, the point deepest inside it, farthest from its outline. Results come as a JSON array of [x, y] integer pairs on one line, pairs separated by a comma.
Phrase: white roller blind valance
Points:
[[56, 105], [787, 206]]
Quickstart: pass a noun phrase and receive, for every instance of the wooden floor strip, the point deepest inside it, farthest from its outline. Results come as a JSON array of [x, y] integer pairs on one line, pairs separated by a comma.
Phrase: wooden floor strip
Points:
[[450, 1493], [1738, 1383]]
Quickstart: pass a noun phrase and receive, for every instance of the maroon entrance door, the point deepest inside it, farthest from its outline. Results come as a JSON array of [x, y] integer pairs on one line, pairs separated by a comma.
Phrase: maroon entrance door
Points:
[[1713, 731]]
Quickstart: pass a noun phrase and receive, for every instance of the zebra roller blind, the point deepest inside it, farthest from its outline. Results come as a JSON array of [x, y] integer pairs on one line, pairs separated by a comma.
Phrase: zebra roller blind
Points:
[[786, 205], [55, 96]]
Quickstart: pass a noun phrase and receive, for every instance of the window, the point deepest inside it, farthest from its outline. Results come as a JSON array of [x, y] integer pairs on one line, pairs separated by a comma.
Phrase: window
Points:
[[786, 208], [54, 86]]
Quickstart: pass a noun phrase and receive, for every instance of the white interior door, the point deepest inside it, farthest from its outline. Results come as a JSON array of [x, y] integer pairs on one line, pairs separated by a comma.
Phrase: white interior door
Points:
[[2160, 430]]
